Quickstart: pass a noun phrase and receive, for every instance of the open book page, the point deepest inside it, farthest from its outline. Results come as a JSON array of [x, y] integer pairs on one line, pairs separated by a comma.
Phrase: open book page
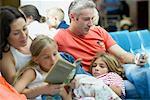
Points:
[[59, 73]]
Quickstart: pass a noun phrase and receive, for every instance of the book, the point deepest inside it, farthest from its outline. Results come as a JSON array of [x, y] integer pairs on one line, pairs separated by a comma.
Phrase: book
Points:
[[61, 72]]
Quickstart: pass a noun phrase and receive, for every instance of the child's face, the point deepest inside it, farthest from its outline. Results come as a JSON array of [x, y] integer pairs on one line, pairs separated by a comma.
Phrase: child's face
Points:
[[99, 67], [47, 57]]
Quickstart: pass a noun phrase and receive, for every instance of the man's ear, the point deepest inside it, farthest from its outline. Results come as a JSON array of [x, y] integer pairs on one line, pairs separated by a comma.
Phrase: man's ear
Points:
[[72, 16], [35, 60]]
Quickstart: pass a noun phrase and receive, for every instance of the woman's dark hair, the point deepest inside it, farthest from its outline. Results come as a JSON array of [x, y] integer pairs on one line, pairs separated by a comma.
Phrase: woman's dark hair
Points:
[[30, 10], [7, 15]]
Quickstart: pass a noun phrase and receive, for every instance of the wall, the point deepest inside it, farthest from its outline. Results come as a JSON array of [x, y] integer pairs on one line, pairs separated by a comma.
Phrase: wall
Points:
[[133, 10], [14, 3], [0, 2]]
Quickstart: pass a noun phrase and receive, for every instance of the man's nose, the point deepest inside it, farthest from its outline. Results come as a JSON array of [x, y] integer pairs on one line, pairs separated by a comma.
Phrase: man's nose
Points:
[[90, 22]]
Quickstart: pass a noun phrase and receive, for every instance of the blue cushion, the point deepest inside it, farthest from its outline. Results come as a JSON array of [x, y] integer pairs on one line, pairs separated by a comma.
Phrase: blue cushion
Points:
[[135, 42], [145, 37], [122, 39], [131, 92], [141, 81]]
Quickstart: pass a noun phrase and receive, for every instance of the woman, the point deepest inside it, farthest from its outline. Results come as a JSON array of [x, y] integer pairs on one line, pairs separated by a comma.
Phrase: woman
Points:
[[14, 46], [14, 43]]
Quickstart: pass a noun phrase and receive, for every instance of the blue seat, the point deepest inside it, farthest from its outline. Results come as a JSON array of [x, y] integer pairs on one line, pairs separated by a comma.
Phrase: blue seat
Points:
[[145, 38], [132, 42], [122, 39], [113, 35], [135, 42], [130, 89], [148, 74]]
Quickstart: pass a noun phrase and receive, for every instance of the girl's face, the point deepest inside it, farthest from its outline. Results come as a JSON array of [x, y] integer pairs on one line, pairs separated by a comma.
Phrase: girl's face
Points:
[[99, 67], [47, 57], [19, 34]]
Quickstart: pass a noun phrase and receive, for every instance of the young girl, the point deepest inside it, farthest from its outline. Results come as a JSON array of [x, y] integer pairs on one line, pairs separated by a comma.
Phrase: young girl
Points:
[[105, 67], [44, 54]]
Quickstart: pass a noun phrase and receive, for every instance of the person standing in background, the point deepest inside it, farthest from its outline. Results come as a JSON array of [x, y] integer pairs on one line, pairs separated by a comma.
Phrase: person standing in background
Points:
[[36, 23], [55, 18]]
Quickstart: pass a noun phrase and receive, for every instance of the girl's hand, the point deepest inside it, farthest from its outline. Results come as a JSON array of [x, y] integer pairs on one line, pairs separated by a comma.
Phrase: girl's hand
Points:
[[141, 59], [52, 89], [45, 88], [65, 95], [73, 84]]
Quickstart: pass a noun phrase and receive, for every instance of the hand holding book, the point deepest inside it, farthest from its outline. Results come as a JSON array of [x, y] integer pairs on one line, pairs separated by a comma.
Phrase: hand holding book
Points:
[[62, 72]]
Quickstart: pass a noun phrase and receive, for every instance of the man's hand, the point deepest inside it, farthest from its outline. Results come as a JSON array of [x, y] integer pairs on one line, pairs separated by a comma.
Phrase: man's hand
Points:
[[141, 59]]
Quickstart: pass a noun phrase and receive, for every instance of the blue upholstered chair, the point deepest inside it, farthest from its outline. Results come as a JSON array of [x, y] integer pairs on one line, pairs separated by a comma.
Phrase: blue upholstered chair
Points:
[[145, 38], [135, 42], [121, 38]]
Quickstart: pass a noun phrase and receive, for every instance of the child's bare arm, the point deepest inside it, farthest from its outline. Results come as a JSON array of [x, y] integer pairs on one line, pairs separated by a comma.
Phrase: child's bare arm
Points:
[[65, 95], [116, 89], [27, 77], [48, 89]]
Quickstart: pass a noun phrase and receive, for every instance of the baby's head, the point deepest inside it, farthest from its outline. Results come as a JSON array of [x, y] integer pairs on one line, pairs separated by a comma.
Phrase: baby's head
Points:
[[44, 52], [104, 63], [126, 23]]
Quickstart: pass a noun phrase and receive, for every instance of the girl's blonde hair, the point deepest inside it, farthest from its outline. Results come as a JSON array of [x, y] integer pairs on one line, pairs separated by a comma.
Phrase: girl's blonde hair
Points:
[[112, 63], [39, 43], [36, 47]]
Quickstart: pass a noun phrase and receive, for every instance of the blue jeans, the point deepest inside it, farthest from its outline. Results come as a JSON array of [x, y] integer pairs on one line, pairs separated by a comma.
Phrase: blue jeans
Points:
[[140, 78], [54, 97]]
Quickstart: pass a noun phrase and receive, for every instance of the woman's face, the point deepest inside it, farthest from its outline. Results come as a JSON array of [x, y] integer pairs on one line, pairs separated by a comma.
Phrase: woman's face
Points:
[[99, 67], [19, 34], [47, 57]]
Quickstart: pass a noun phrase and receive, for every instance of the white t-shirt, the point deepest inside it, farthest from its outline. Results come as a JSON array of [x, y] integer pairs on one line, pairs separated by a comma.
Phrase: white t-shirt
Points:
[[20, 58], [35, 28]]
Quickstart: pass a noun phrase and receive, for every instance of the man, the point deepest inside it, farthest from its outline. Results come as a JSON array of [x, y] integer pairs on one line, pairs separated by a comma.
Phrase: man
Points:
[[83, 40], [55, 20]]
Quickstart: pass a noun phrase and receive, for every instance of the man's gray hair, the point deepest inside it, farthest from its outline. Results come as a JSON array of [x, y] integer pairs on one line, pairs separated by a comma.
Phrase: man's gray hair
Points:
[[77, 5]]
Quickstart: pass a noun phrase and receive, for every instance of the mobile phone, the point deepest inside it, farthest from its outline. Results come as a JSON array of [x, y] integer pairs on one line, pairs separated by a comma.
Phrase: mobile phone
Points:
[[142, 55]]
